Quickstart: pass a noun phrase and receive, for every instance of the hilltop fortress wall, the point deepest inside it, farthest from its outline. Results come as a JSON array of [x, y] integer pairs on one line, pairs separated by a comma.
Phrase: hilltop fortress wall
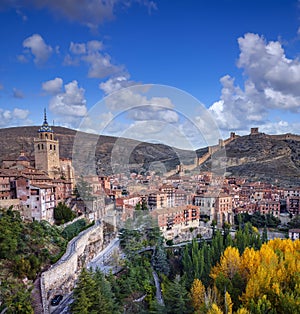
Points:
[[254, 131], [61, 277]]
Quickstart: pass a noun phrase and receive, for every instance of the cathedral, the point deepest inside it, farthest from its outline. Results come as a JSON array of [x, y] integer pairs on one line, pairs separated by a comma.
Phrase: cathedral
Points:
[[46, 151]]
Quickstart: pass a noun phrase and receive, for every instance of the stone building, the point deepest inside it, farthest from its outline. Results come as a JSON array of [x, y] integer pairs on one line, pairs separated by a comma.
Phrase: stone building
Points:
[[177, 220], [46, 151]]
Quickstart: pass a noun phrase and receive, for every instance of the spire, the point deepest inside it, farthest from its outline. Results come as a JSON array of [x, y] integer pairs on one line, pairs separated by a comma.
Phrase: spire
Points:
[[45, 116], [45, 127]]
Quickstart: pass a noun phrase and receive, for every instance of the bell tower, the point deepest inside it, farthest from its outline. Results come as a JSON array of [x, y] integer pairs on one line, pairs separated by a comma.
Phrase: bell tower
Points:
[[46, 150]]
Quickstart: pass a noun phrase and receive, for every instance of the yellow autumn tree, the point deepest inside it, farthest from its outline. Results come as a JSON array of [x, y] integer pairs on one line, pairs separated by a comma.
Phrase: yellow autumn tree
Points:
[[250, 260], [228, 303], [198, 295], [229, 265], [273, 271], [214, 309], [242, 311]]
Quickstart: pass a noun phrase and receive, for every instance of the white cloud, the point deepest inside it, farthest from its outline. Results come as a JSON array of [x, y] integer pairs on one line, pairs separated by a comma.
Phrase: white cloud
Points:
[[22, 15], [99, 63], [94, 46], [272, 82], [88, 12], [22, 59], [13, 117], [129, 98], [40, 50], [138, 107], [69, 106], [53, 86], [70, 61], [20, 113], [77, 48], [17, 93], [115, 83]]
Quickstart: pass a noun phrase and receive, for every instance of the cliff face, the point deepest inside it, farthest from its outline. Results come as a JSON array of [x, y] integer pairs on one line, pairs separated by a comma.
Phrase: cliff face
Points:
[[264, 157]]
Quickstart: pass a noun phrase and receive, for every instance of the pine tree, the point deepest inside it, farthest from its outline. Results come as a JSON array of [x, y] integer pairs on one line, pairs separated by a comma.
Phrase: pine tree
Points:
[[84, 293], [103, 300], [176, 297], [160, 262]]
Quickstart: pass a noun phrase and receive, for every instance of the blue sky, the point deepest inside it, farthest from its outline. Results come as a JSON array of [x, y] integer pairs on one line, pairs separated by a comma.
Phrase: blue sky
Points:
[[217, 65]]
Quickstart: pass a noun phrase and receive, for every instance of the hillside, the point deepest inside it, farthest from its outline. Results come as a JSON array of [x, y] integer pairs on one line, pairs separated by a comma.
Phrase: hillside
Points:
[[257, 157], [263, 157], [12, 140]]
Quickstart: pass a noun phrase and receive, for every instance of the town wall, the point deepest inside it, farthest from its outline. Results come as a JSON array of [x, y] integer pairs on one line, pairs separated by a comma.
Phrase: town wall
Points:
[[61, 277], [287, 136]]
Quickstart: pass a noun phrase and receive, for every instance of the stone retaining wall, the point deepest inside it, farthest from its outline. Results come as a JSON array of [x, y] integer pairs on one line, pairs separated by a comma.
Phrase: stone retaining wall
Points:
[[61, 277]]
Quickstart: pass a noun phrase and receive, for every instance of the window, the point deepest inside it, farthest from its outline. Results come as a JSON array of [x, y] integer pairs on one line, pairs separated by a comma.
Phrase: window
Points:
[[39, 147], [42, 146], [54, 147], [51, 146]]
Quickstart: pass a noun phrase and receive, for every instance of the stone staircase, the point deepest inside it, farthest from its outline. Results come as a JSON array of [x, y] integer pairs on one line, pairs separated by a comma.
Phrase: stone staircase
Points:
[[36, 297]]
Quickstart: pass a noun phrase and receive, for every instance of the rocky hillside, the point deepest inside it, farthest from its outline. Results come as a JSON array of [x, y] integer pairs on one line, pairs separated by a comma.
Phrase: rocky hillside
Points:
[[262, 157], [142, 155], [257, 157]]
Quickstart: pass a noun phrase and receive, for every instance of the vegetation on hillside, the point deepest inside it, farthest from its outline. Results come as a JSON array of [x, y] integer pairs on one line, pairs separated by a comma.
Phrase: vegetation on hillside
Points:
[[26, 249], [258, 220], [239, 275]]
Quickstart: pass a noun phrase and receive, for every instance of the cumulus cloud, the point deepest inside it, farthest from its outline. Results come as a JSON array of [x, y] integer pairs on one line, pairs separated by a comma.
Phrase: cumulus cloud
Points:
[[17, 93], [13, 117], [129, 98], [99, 63], [53, 86], [71, 103], [88, 12], [39, 49], [272, 82], [138, 107], [77, 48], [115, 83]]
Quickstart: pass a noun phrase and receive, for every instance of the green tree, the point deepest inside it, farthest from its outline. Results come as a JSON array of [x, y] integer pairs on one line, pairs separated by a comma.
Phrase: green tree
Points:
[[262, 306], [176, 297], [160, 262], [294, 222], [104, 300], [265, 235], [20, 302], [84, 293], [63, 213], [83, 190]]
